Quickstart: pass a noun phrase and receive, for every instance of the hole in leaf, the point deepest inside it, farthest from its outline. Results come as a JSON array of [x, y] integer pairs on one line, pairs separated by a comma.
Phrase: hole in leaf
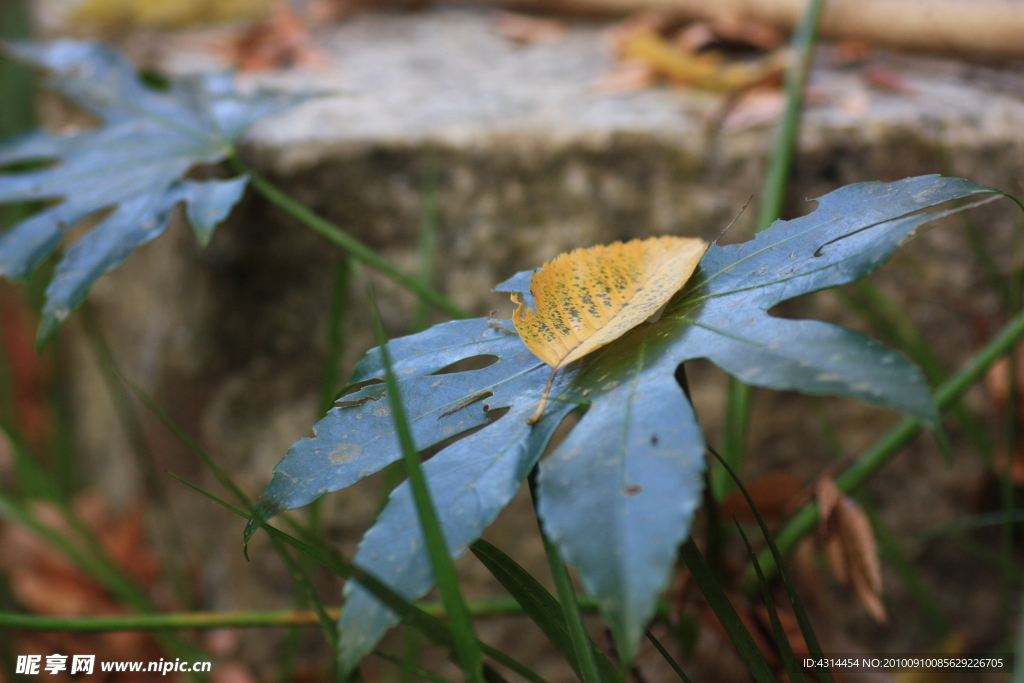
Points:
[[357, 402], [353, 388], [467, 364], [494, 415], [564, 427]]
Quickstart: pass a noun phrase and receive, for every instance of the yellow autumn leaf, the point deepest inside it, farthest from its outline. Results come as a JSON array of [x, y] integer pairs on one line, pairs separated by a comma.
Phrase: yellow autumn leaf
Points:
[[590, 297], [705, 71], [163, 13]]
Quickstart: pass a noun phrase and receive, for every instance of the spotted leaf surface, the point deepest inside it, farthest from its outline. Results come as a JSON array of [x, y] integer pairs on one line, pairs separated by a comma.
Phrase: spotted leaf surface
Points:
[[618, 494], [590, 297]]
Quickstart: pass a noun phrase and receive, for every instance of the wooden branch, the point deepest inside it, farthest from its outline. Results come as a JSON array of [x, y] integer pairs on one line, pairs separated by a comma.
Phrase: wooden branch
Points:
[[989, 28]]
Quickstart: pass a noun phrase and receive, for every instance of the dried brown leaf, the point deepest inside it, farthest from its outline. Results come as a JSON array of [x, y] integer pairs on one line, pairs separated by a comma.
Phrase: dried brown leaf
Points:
[[280, 41], [835, 557], [827, 494], [848, 543], [708, 71]]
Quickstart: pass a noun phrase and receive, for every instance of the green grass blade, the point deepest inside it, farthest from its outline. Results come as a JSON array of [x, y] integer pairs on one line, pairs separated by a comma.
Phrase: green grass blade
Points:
[[410, 653], [416, 672], [223, 478], [582, 644], [353, 246], [335, 339], [172, 545], [667, 657], [824, 674], [100, 568], [18, 113], [726, 614], [466, 644], [305, 585], [535, 600], [539, 605], [1018, 674], [891, 551], [734, 435], [796, 673], [773, 194], [33, 481], [427, 243], [491, 674], [966, 523], [299, 574], [430, 626]]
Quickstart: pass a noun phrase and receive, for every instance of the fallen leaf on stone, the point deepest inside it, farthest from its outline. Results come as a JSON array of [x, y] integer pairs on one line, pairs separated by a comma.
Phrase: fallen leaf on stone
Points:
[[709, 71], [280, 41], [590, 297], [127, 13], [850, 548], [526, 29]]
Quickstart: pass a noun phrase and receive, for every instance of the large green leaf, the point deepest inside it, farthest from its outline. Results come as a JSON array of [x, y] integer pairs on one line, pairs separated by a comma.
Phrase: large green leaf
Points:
[[618, 495], [131, 165]]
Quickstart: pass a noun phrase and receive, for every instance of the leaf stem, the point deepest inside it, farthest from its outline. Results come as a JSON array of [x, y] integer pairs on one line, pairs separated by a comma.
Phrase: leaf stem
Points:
[[353, 246], [879, 454], [543, 399], [499, 607]]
